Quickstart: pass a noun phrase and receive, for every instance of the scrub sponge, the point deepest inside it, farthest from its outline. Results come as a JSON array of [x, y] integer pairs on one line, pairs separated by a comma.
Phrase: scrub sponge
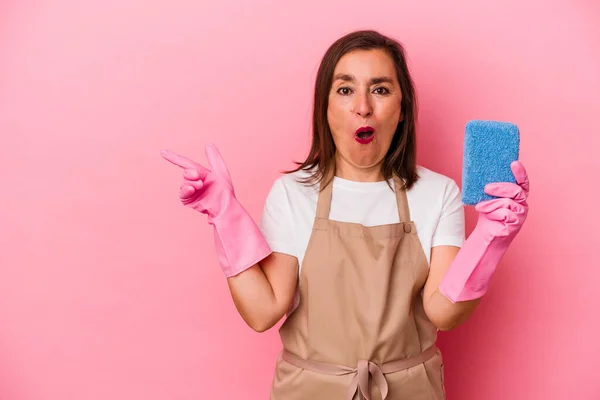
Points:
[[489, 149]]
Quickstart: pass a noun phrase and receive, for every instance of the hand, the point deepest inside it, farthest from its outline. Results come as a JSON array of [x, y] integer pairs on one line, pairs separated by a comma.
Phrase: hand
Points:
[[204, 190], [238, 241], [503, 217], [499, 221]]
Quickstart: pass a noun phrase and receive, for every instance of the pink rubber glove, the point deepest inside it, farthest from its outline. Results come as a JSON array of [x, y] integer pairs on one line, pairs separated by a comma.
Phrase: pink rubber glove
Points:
[[238, 241], [500, 220]]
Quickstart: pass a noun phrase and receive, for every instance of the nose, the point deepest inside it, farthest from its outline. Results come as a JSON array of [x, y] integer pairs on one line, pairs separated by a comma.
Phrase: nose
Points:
[[362, 106]]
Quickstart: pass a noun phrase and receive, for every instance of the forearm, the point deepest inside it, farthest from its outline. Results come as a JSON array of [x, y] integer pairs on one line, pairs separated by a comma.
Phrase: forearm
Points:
[[255, 299], [264, 292], [445, 314]]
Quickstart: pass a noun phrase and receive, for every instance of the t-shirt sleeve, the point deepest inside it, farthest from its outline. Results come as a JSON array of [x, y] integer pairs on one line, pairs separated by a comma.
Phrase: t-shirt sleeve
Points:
[[450, 230], [276, 223]]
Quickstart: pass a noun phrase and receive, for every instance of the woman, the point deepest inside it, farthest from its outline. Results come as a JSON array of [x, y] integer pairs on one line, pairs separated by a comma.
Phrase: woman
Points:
[[360, 247]]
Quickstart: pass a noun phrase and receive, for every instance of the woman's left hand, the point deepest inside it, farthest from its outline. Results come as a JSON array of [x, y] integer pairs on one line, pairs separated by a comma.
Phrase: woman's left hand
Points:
[[505, 215], [499, 221]]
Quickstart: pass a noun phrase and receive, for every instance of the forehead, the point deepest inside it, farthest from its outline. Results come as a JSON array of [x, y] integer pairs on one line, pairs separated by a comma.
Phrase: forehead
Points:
[[365, 64]]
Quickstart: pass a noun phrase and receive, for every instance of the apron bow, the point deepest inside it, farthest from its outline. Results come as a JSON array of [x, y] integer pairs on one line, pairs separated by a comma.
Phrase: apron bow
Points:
[[363, 372], [360, 383]]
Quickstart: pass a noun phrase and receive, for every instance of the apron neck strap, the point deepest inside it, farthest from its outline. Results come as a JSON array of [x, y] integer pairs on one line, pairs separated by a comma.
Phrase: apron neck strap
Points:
[[401, 200], [324, 201]]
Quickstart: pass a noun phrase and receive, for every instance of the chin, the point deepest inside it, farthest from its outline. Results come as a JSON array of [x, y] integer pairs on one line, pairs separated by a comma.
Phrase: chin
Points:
[[365, 162], [361, 156]]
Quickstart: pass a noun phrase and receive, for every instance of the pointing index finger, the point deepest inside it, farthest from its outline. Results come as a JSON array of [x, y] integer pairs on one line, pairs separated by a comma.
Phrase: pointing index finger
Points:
[[183, 162]]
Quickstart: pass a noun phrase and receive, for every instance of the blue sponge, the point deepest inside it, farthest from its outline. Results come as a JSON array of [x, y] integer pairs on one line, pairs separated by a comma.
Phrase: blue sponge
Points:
[[489, 149]]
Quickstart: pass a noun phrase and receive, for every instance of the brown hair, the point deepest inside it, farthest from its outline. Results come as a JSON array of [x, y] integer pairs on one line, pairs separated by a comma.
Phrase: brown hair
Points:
[[401, 156]]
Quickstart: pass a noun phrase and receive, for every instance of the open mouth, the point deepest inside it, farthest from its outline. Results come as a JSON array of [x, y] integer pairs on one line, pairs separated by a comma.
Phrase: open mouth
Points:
[[364, 135]]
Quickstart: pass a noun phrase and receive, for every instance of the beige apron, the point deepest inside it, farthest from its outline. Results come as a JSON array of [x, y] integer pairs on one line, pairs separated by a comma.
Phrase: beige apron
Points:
[[360, 330]]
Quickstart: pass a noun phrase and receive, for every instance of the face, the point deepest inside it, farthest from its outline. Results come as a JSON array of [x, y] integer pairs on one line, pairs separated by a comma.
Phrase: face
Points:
[[364, 109]]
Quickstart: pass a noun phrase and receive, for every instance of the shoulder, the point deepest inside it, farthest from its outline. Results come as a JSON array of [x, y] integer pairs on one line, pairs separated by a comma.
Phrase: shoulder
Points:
[[434, 193], [291, 187], [433, 183]]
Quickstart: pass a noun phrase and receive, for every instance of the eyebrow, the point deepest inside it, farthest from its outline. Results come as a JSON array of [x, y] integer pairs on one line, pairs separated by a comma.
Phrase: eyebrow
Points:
[[372, 81]]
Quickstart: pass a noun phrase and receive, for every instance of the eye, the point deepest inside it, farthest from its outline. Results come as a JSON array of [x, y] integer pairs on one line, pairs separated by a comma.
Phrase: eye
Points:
[[382, 90], [344, 91]]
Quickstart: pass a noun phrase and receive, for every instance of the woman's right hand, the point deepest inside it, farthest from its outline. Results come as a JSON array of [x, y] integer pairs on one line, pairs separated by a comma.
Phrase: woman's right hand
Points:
[[238, 240], [263, 292], [207, 190]]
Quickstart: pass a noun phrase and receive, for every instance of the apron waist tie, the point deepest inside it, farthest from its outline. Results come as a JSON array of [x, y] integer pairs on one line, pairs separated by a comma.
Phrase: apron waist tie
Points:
[[364, 371]]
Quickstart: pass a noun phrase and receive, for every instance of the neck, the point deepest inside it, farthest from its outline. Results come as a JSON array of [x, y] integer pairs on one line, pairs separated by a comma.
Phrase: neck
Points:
[[352, 173]]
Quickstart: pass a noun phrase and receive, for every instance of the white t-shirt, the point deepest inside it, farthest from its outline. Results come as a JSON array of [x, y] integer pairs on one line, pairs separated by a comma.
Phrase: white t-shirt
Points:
[[434, 203]]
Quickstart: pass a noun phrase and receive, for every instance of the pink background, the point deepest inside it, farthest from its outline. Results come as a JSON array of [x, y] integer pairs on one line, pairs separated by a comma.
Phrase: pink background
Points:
[[109, 288]]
